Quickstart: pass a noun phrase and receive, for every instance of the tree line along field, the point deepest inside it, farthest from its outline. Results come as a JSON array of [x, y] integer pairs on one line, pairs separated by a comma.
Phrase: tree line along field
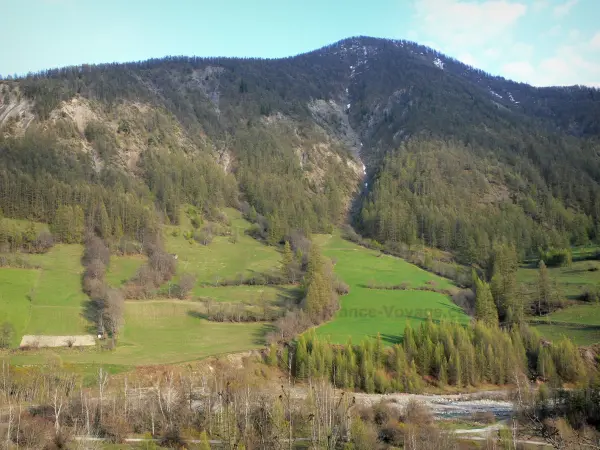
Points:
[[578, 320], [573, 281], [49, 299]]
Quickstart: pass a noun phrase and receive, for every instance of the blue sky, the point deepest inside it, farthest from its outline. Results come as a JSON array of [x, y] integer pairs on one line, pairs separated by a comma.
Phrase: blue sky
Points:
[[543, 42]]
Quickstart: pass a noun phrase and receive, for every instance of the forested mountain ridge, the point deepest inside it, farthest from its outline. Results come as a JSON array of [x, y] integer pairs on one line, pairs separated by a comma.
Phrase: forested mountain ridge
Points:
[[289, 133]]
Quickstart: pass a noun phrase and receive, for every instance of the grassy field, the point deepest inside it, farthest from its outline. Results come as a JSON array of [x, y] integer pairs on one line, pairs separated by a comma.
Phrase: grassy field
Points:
[[365, 312], [222, 259], [247, 294], [15, 307], [581, 323], [579, 334], [57, 300], [358, 266], [160, 332], [578, 314], [573, 281]]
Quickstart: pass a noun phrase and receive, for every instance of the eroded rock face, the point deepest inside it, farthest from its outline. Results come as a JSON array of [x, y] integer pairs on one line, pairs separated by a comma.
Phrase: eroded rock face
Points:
[[16, 111]]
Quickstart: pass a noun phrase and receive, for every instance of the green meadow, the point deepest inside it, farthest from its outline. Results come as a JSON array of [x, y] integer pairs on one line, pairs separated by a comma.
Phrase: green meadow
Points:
[[581, 323], [579, 334], [48, 300], [15, 306], [222, 260], [160, 332], [365, 312], [573, 281], [248, 294], [123, 268]]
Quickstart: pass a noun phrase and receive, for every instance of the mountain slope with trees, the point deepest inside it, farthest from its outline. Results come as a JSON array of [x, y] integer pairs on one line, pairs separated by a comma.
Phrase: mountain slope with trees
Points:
[[287, 138]]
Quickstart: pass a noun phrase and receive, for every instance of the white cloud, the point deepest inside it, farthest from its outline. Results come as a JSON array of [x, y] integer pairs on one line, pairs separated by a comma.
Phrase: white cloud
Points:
[[483, 34], [468, 59], [518, 70], [564, 8], [458, 23], [569, 65]]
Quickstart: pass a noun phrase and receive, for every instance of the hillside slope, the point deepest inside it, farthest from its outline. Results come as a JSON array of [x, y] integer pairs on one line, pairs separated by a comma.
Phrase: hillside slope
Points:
[[291, 135]]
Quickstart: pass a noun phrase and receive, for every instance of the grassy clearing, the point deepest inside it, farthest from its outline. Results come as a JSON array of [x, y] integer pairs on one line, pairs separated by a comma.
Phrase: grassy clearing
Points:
[[581, 323], [358, 266], [57, 300], [222, 259], [573, 280], [23, 224], [365, 312], [159, 332], [579, 334], [577, 314], [122, 268], [48, 300]]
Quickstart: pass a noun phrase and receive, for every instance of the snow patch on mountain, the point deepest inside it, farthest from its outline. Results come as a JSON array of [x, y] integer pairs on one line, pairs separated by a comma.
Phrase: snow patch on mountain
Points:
[[495, 94], [512, 99], [438, 63]]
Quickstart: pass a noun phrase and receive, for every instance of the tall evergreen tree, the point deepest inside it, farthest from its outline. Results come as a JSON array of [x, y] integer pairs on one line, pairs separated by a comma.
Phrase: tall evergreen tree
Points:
[[485, 309]]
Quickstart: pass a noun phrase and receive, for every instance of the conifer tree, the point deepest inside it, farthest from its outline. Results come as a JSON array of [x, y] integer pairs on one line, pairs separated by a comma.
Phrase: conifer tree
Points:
[[301, 356], [545, 365], [438, 360], [103, 224], [443, 372], [400, 364], [424, 356], [454, 370], [350, 365], [287, 261], [504, 279], [272, 355], [485, 309], [378, 355], [544, 293], [410, 346]]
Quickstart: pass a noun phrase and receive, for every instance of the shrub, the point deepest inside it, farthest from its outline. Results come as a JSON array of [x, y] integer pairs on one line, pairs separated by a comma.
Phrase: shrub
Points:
[[7, 331], [204, 236], [416, 413], [340, 287], [186, 283]]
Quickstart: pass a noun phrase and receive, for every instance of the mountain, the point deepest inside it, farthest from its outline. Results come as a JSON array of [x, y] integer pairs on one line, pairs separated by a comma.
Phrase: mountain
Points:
[[428, 148]]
